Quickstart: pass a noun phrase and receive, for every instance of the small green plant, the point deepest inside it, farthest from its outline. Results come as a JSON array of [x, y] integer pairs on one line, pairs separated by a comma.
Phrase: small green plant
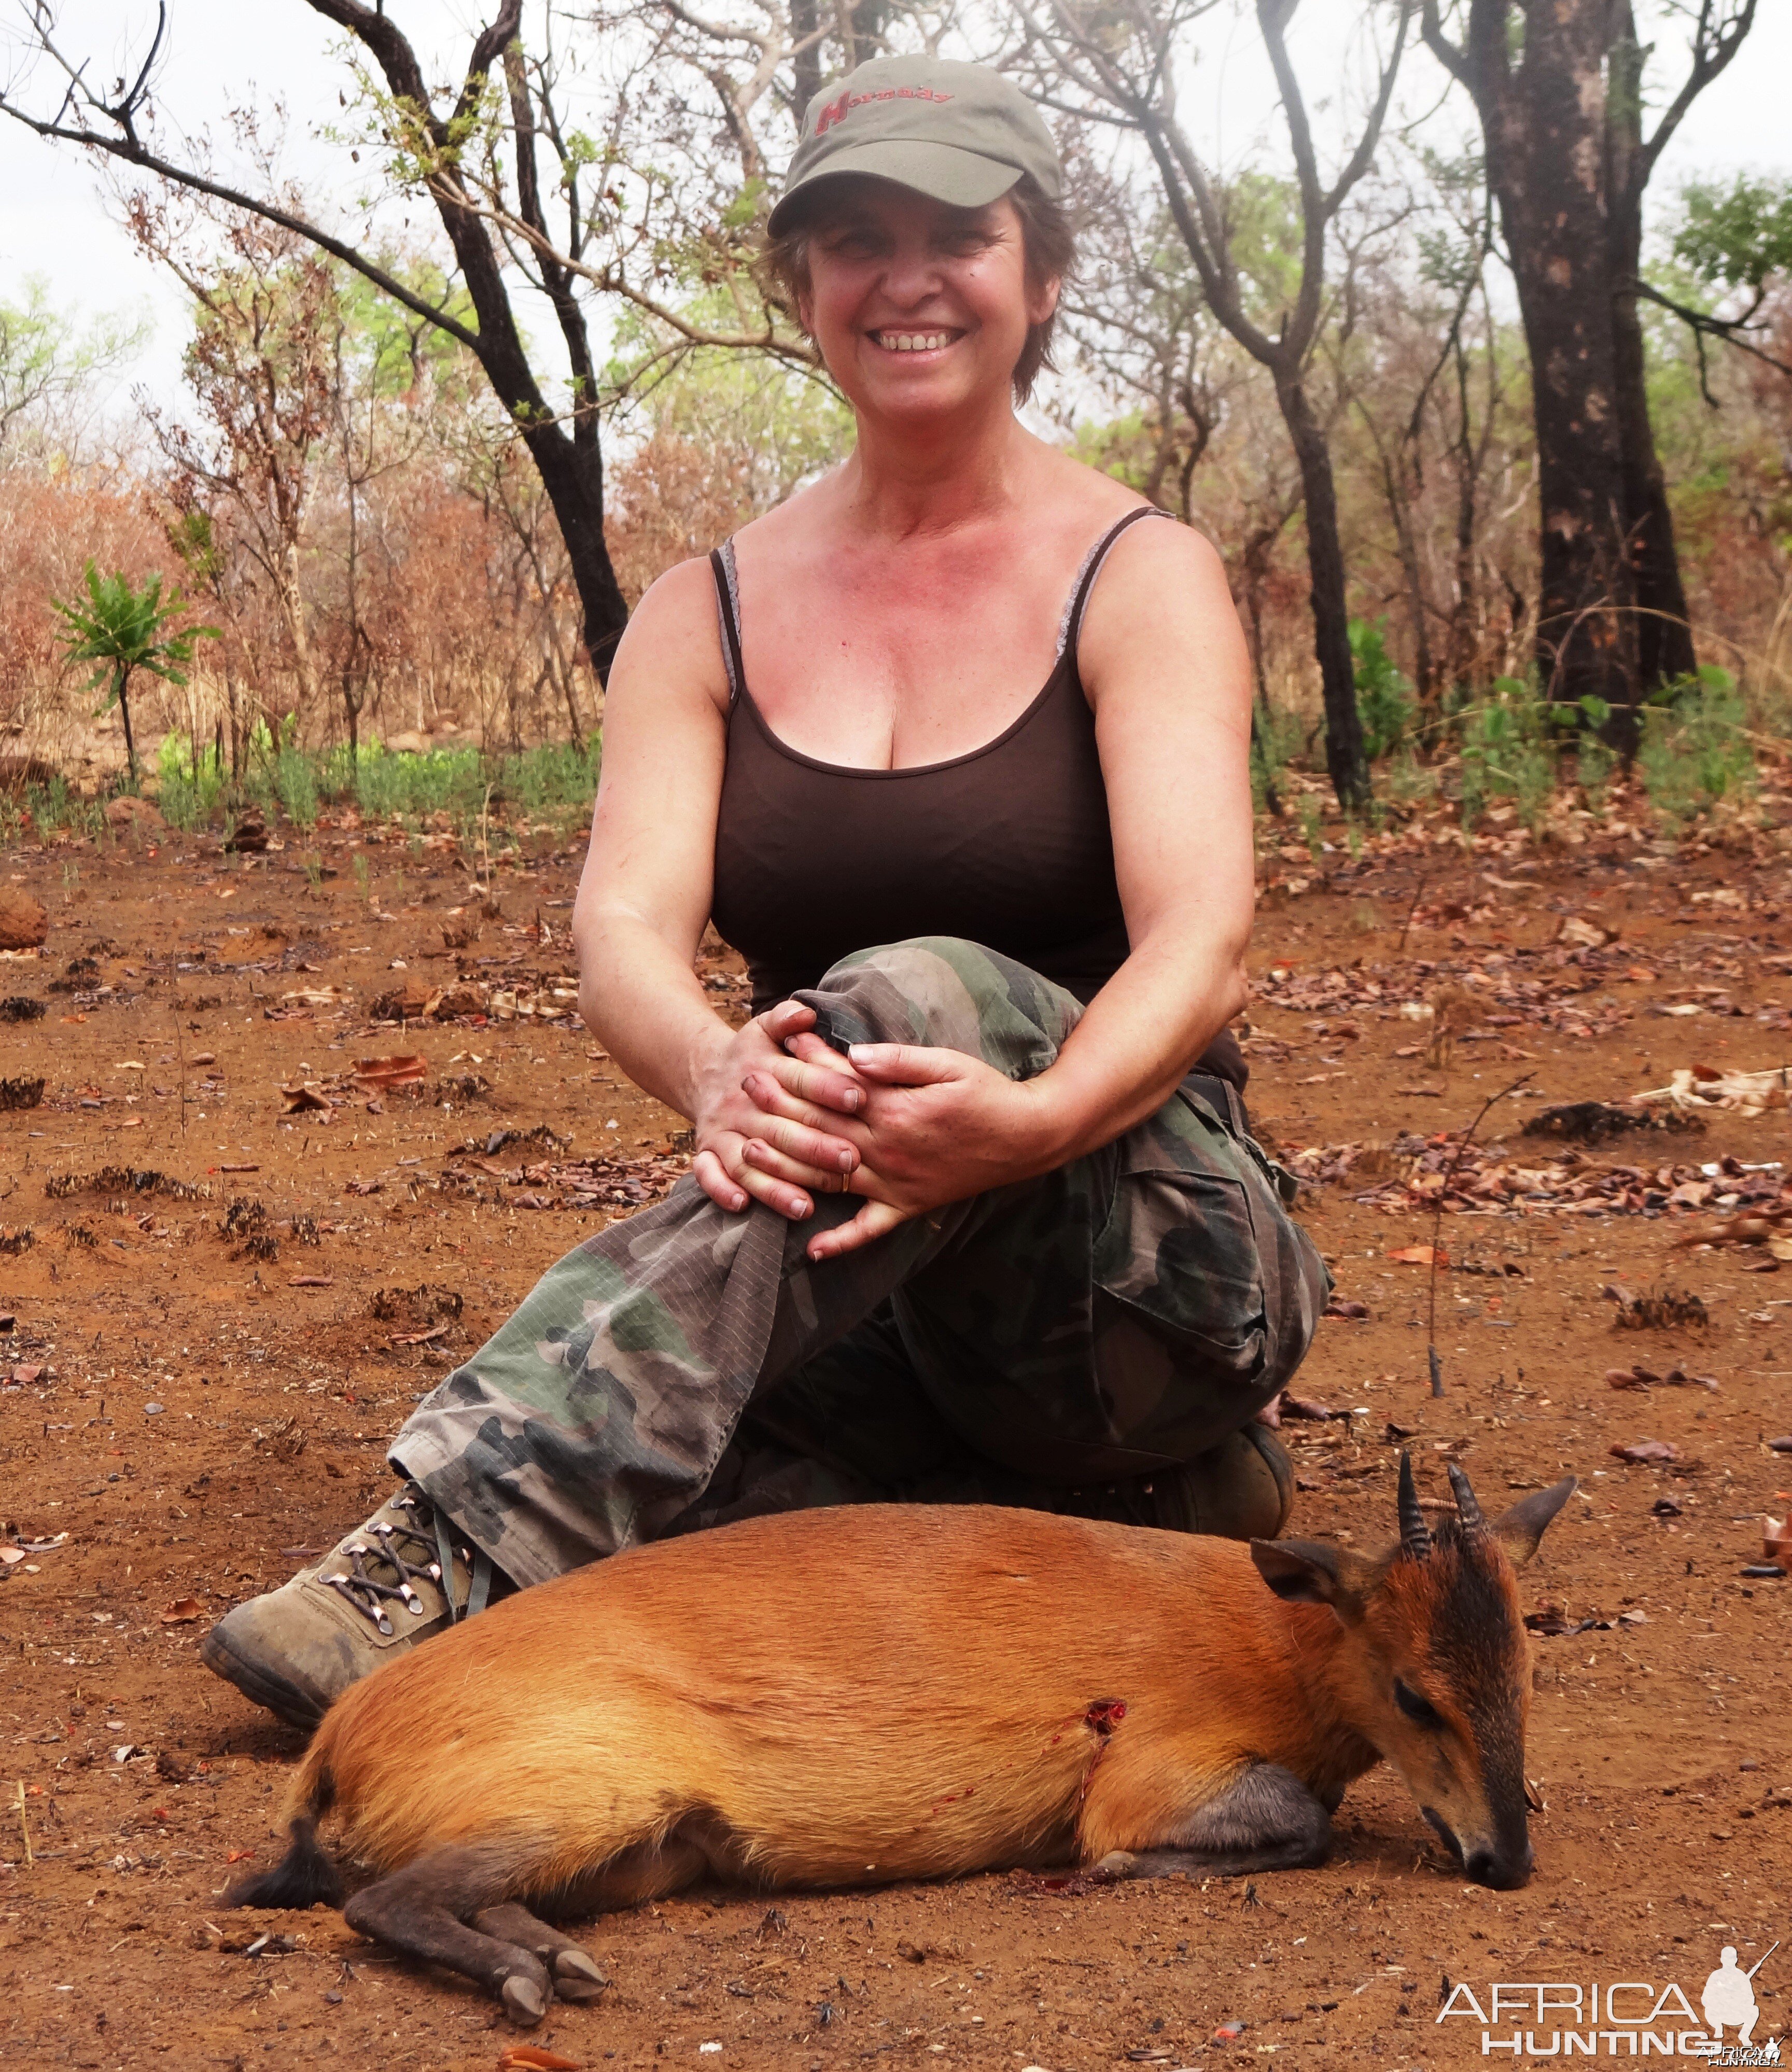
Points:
[[552, 782], [191, 782], [1695, 750], [1312, 826], [295, 785], [124, 629], [1274, 737], [364, 879], [1510, 752], [1383, 695], [313, 873], [1594, 766], [1409, 782]]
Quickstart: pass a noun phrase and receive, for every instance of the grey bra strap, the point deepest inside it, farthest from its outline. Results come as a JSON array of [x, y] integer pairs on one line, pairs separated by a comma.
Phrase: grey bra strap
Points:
[[1070, 625], [728, 611]]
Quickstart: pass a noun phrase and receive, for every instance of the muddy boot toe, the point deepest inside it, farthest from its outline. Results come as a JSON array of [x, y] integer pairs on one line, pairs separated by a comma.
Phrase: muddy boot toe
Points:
[[378, 1592], [1242, 1488]]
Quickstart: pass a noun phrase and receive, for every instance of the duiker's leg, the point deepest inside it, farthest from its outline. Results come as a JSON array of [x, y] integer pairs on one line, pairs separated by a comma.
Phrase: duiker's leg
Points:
[[421, 1910], [1267, 1820], [576, 1976]]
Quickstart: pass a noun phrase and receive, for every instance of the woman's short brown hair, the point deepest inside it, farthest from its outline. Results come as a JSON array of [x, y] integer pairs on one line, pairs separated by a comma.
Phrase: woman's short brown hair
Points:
[[1046, 235]]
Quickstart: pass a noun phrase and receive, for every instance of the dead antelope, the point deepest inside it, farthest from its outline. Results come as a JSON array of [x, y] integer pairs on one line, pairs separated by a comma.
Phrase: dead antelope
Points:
[[853, 1696]]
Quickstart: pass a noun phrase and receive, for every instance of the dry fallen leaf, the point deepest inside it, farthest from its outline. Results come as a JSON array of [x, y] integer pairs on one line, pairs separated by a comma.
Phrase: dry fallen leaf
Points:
[[1419, 1255], [1348, 1312], [1776, 1538], [1304, 1408], [183, 1611], [1644, 1452], [300, 1098], [420, 1338], [377, 1075], [532, 2058], [8, 1555]]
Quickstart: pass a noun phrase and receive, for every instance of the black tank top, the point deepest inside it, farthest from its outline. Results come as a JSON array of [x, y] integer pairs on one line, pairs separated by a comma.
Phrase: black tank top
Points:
[[1009, 846]]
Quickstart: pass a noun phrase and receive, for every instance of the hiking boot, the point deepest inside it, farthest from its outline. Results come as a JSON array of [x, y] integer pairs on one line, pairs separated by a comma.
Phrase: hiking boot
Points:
[[375, 1593], [1242, 1488]]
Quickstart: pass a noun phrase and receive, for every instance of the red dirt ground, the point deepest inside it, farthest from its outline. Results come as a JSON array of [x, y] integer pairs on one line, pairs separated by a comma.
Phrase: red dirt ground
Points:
[[1659, 1739]]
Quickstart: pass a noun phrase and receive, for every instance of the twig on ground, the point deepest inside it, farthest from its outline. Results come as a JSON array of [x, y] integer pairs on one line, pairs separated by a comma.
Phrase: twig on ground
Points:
[[1432, 1358], [1418, 893]]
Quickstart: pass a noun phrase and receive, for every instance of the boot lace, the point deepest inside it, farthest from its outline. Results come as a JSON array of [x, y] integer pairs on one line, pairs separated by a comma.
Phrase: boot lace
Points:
[[407, 1551]]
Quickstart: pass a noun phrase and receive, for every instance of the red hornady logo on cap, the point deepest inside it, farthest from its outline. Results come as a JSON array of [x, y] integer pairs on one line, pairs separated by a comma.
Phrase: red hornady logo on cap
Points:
[[837, 111]]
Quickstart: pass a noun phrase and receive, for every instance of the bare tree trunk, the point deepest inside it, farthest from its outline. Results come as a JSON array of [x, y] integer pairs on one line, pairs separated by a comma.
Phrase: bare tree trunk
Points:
[[1552, 206], [1469, 456], [571, 464], [1567, 162], [1664, 629], [124, 714], [1345, 760], [1116, 84], [806, 64], [291, 595]]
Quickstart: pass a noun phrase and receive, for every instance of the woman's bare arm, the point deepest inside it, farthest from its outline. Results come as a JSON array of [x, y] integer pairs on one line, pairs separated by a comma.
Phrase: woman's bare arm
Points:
[[1165, 662], [643, 900], [644, 895]]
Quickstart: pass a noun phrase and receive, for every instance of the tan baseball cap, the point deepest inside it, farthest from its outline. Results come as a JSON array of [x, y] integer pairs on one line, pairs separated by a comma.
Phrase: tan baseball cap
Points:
[[960, 133]]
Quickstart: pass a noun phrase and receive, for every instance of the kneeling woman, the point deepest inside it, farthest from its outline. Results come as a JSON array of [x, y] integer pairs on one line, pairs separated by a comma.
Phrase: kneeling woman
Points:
[[952, 747]]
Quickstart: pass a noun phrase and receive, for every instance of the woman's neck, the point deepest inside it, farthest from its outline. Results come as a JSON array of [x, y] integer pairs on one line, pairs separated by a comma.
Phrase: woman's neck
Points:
[[896, 482]]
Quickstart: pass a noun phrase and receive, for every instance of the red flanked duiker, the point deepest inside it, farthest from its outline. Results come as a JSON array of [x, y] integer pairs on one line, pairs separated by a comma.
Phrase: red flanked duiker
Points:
[[858, 1696]]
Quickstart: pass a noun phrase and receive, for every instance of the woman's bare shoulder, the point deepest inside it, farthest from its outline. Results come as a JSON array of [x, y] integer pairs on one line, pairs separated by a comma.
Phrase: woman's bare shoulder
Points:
[[673, 640]]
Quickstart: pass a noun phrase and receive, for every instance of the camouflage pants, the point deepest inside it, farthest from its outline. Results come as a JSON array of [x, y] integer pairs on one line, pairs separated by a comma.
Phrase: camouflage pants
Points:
[[1113, 1318]]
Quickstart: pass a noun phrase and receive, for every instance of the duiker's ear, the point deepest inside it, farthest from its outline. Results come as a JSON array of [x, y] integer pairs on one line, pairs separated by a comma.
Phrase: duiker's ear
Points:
[[1306, 1572], [1519, 1529]]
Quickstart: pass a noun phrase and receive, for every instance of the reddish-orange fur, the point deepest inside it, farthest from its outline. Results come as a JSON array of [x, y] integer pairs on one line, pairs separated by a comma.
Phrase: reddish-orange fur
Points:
[[847, 1696]]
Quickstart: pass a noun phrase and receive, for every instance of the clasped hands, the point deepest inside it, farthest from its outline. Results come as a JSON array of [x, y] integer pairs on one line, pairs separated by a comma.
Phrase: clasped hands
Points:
[[782, 1117]]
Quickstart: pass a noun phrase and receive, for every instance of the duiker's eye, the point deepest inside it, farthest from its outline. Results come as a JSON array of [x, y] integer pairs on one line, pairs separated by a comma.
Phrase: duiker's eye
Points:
[[1419, 1710]]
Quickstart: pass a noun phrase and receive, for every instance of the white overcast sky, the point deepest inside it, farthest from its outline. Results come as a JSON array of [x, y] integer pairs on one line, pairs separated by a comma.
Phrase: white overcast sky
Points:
[[53, 221]]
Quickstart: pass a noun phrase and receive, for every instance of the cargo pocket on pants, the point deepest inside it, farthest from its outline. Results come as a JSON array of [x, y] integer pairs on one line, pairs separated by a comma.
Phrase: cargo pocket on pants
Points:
[[1180, 1335]]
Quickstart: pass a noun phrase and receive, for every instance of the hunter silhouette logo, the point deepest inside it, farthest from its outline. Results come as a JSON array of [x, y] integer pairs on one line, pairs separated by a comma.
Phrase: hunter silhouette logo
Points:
[[1631, 2018], [1728, 1999]]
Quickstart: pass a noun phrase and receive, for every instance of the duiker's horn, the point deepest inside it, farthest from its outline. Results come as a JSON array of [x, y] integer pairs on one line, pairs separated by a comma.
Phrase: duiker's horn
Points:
[[1415, 1538], [1466, 1508]]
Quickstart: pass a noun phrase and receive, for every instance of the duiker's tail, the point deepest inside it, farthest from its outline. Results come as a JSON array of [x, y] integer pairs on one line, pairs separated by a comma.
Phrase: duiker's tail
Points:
[[306, 1873]]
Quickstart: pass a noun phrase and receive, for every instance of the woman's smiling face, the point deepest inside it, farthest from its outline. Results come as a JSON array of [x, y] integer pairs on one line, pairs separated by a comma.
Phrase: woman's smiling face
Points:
[[918, 308]]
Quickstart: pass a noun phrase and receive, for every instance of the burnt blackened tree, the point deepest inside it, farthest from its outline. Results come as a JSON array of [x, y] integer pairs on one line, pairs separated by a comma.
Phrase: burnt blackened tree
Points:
[[1558, 86]]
